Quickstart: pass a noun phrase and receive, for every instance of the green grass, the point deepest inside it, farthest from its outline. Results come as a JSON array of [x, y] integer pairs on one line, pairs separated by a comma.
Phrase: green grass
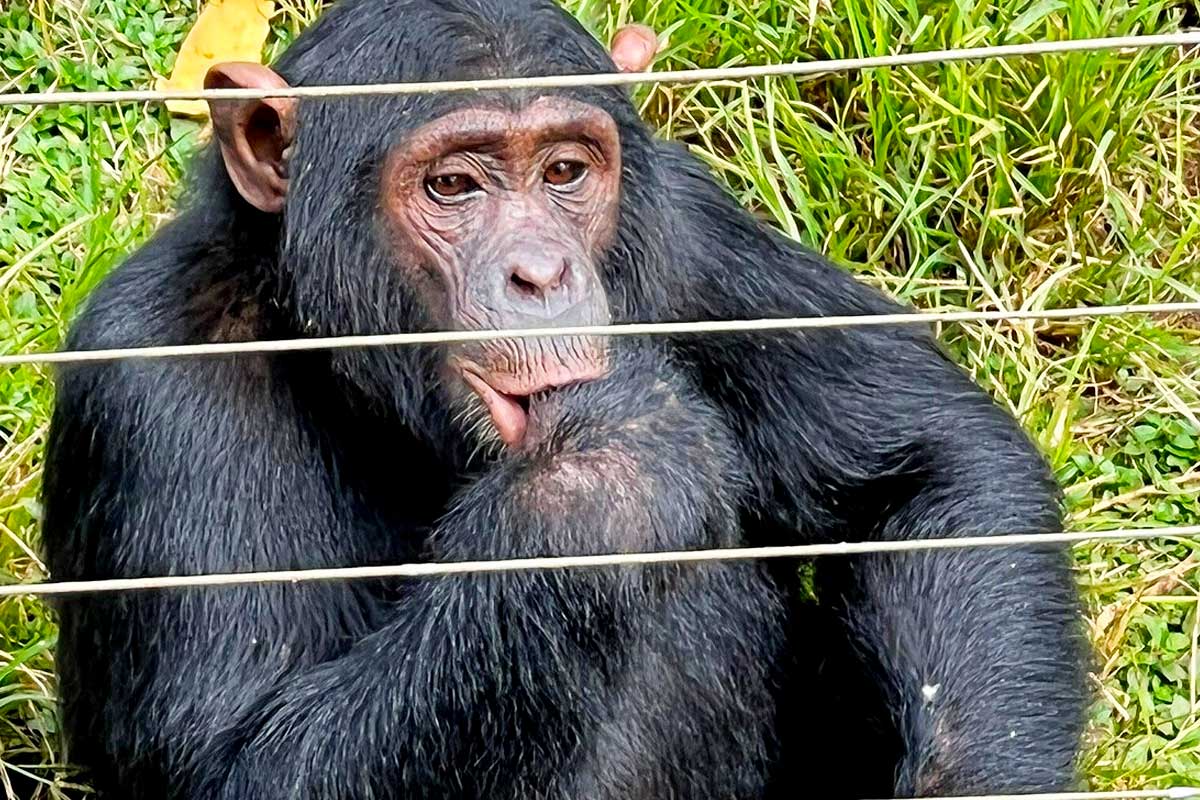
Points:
[[1031, 183]]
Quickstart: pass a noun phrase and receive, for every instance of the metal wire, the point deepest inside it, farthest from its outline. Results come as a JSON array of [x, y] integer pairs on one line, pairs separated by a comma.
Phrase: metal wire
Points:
[[626, 329], [627, 559], [682, 76], [439, 569], [1171, 793]]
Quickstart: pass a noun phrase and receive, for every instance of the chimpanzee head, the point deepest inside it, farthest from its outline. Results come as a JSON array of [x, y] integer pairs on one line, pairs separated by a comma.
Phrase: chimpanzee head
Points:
[[453, 211]]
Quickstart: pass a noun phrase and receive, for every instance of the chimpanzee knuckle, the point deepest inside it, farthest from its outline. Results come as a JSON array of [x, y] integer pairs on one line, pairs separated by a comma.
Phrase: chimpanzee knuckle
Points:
[[680, 429]]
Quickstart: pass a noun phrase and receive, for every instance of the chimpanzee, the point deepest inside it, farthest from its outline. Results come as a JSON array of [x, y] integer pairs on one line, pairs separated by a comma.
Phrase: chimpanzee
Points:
[[948, 672]]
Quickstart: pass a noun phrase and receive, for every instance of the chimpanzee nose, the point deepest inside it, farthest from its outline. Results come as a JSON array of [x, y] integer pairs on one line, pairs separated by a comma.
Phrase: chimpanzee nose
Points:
[[540, 279]]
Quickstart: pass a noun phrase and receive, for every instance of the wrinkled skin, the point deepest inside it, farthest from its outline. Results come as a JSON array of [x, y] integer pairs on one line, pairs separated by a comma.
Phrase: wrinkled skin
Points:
[[500, 219]]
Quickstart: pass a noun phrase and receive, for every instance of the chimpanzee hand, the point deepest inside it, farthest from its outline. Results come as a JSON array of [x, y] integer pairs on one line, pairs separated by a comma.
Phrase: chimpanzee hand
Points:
[[635, 461]]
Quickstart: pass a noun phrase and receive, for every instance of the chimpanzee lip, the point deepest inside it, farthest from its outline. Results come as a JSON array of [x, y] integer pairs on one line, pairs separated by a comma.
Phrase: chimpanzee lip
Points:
[[522, 388], [507, 397]]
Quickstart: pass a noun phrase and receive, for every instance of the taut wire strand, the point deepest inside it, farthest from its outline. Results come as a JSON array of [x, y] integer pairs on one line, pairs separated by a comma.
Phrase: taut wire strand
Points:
[[624, 329], [415, 570], [1170, 793], [682, 76], [438, 569]]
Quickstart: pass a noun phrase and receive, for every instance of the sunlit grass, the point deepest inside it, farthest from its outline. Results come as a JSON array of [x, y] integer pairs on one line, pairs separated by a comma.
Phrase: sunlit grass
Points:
[[1031, 183]]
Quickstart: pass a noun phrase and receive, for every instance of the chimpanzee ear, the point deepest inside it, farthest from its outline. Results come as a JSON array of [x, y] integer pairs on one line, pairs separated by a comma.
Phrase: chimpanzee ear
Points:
[[634, 47], [254, 135]]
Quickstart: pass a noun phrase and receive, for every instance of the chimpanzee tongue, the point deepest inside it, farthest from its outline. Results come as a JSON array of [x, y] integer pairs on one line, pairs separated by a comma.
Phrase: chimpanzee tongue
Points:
[[507, 414]]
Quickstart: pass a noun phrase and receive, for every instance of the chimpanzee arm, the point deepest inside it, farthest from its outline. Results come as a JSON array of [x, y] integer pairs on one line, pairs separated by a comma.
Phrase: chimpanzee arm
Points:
[[871, 433], [506, 670], [210, 465]]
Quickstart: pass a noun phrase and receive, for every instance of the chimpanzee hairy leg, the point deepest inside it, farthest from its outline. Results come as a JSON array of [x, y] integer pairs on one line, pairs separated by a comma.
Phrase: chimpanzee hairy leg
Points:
[[974, 657], [515, 673]]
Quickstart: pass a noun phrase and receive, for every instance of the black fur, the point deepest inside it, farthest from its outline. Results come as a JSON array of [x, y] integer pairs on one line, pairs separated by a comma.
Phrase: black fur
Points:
[[947, 673]]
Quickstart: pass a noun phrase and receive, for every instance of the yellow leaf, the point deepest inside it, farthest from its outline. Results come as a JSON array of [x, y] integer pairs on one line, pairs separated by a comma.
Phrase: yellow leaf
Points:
[[226, 30]]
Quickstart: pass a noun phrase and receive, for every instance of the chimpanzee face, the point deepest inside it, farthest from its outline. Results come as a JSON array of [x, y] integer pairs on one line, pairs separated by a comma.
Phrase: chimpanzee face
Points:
[[496, 216], [499, 218]]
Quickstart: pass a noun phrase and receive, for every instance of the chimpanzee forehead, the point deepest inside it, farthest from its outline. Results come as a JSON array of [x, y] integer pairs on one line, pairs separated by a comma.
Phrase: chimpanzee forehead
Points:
[[383, 41], [483, 125]]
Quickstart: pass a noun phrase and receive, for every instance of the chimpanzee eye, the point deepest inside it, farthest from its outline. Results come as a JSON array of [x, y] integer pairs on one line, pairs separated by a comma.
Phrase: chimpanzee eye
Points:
[[452, 185], [562, 173]]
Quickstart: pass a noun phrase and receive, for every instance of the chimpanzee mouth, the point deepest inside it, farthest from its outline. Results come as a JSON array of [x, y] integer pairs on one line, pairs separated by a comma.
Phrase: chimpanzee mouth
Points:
[[509, 412], [508, 400]]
